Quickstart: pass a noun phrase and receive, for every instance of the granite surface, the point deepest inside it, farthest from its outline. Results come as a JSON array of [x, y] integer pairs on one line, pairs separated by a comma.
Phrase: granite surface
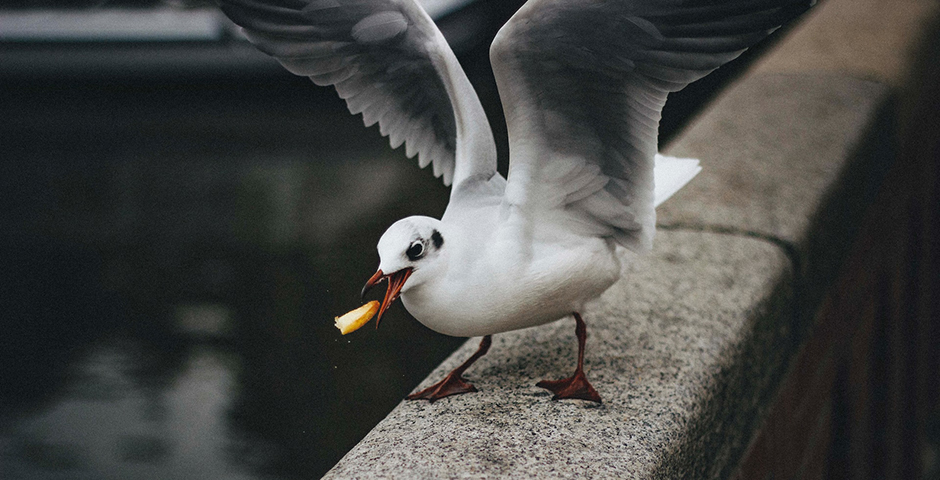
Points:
[[795, 159], [771, 148], [687, 349], [870, 39]]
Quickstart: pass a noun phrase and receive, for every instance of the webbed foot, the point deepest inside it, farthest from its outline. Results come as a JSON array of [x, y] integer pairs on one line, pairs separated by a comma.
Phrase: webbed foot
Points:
[[450, 385], [453, 383], [575, 387]]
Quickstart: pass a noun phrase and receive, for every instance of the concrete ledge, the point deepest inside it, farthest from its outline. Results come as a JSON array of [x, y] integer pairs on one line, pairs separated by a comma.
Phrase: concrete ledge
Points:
[[792, 158], [688, 348]]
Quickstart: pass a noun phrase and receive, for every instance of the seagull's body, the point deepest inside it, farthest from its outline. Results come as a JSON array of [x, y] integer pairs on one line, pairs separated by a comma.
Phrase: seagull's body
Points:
[[494, 282], [582, 84], [499, 264]]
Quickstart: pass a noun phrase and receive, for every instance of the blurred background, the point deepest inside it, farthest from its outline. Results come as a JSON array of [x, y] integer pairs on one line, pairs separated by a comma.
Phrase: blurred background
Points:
[[180, 221]]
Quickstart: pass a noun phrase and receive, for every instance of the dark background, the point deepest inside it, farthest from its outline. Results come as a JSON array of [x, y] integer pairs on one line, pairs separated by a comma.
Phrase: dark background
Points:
[[179, 224]]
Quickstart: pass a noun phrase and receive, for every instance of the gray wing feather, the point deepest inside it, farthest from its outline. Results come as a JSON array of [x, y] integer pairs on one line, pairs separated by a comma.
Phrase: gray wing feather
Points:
[[583, 84], [385, 58]]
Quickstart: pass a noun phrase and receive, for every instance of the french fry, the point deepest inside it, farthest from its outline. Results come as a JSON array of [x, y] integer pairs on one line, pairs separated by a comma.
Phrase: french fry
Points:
[[355, 319]]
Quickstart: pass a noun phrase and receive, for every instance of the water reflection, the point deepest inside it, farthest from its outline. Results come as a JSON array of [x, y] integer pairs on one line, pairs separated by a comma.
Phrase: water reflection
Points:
[[120, 417]]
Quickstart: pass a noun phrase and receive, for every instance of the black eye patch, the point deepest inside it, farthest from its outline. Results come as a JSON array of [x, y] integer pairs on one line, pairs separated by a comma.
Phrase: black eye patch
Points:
[[437, 239]]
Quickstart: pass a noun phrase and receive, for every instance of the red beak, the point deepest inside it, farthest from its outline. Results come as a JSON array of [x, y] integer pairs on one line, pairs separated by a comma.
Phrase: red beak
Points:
[[395, 282]]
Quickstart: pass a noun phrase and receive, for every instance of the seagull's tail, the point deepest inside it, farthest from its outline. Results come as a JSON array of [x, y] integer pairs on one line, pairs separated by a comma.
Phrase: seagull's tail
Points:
[[670, 174]]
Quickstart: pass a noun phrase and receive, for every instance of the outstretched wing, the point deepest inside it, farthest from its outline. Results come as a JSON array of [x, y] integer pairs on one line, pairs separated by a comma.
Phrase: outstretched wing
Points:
[[583, 83], [390, 63]]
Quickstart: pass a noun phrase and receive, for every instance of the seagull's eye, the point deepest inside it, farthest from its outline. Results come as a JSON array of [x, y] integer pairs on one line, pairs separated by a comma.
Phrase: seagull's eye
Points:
[[415, 251]]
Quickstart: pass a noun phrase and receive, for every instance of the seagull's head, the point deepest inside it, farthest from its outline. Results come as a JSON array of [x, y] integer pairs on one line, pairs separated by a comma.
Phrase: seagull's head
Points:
[[409, 252]]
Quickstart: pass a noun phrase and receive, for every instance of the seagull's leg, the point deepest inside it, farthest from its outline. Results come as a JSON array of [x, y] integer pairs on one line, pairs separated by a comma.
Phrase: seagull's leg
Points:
[[453, 383], [576, 386]]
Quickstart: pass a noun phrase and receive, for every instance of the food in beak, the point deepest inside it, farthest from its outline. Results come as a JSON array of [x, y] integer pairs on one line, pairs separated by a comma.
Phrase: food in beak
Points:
[[355, 319], [395, 283]]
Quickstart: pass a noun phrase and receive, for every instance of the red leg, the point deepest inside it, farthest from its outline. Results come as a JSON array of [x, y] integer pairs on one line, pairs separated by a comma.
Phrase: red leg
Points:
[[453, 383], [577, 385]]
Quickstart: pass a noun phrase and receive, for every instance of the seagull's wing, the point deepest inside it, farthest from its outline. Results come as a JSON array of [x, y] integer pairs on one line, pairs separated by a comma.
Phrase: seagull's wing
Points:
[[390, 63], [583, 83]]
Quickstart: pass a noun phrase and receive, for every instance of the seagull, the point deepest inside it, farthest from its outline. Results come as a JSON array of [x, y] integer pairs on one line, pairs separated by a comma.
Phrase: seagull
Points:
[[582, 84]]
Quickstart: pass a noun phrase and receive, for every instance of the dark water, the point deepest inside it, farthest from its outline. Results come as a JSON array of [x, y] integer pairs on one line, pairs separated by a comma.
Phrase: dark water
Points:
[[172, 258]]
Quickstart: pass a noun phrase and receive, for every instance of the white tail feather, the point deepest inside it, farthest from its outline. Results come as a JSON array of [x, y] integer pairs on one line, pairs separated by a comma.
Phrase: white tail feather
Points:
[[671, 174]]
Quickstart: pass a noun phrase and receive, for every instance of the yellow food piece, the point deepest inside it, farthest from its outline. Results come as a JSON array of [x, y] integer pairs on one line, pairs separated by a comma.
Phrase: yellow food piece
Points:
[[355, 319]]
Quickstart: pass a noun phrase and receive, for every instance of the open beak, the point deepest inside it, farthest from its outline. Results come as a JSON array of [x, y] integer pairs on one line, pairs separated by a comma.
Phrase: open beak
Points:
[[395, 282]]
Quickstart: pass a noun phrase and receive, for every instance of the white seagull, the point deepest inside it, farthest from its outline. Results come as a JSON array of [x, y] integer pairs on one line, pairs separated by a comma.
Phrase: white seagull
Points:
[[582, 84]]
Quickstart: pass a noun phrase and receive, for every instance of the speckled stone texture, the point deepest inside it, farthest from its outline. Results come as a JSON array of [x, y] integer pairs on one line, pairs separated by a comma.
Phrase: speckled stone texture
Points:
[[792, 158], [688, 348], [772, 148]]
